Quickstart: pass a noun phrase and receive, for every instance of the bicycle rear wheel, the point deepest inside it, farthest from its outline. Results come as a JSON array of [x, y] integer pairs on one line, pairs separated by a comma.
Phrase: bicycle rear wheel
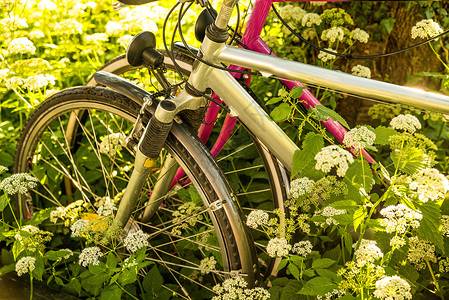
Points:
[[66, 144]]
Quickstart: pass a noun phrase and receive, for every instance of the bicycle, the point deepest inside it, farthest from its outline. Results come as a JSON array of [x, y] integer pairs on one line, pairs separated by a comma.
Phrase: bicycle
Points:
[[134, 108]]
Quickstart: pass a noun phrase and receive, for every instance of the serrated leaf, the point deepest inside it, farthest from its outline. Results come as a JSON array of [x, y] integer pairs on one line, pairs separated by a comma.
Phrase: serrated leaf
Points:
[[322, 263], [344, 204], [429, 224], [290, 291], [327, 112], [152, 281], [303, 158], [112, 292], [4, 199], [359, 216], [383, 134], [293, 270], [281, 112], [318, 286], [296, 92], [359, 175], [410, 160]]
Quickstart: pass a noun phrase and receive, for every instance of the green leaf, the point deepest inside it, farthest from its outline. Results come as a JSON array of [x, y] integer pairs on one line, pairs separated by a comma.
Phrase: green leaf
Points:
[[55, 255], [322, 263], [387, 24], [329, 113], [296, 92], [38, 268], [74, 285], [281, 112], [410, 160], [304, 158], [290, 291], [112, 292], [318, 286], [282, 264], [4, 199], [152, 281], [359, 216], [431, 221], [127, 277], [293, 270], [383, 134], [328, 273], [359, 175], [345, 204], [274, 100], [111, 261]]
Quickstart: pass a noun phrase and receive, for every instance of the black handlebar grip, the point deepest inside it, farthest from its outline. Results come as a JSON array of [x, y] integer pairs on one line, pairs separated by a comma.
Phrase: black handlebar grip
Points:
[[154, 138]]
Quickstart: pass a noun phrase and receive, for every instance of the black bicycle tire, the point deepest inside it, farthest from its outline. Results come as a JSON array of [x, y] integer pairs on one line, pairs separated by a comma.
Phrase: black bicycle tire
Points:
[[237, 246]]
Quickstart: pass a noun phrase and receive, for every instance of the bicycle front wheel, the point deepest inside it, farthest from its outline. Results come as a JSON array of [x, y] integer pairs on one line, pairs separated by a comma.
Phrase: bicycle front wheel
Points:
[[198, 224]]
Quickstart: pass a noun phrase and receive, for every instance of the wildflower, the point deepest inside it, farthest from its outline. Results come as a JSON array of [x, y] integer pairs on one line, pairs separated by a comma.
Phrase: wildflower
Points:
[[114, 28], [125, 40], [367, 252], [359, 277], [302, 248], [384, 112], [207, 264], [278, 247], [128, 263], [90, 255], [37, 82], [326, 187], [25, 264], [47, 5], [318, 3], [407, 123], [136, 240], [333, 34], [301, 186], [397, 242], [445, 225], [426, 28], [392, 288], [69, 253], [69, 26], [443, 265], [420, 251], [334, 294], [328, 212], [311, 19], [32, 238], [51, 92], [360, 137], [18, 183], [235, 288], [107, 209], [13, 21], [361, 71], [359, 35], [333, 156], [324, 56], [112, 143], [96, 38], [21, 45], [4, 73], [399, 217], [286, 11], [3, 169], [79, 228], [14, 82], [187, 209], [257, 218], [429, 184], [36, 34]]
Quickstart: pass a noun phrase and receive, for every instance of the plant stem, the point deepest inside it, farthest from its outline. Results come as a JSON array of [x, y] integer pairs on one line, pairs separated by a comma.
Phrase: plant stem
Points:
[[31, 287], [125, 291], [433, 275]]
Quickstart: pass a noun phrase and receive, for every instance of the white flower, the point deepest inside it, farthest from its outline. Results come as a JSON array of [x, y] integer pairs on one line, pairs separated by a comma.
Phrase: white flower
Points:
[[333, 156], [112, 143], [18, 183], [286, 12], [324, 56], [114, 28], [21, 45], [69, 26], [298, 14], [4, 73], [302, 248], [420, 251], [425, 29], [333, 34], [89, 256], [311, 19], [25, 264], [318, 3], [328, 212], [47, 5], [69, 253], [235, 288], [407, 123], [13, 21], [125, 40], [14, 82], [257, 218], [392, 288], [429, 184], [301, 186], [443, 265], [136, 240], [96, 38], [39, 81], [107, 209], [399, 217], [367, 252], [360, 137], [334, 294], [445, 225], [79, 228], [278, 247], [207, 264], [36, 34], [397, 242], [361, 71], [359, 35]]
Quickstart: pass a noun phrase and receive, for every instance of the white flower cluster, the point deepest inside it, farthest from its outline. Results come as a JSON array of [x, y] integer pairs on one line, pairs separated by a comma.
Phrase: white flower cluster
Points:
[[318, 3], [328, 212], [144, 17], [361, 71], [290, 12], [334, 294], [311, 19], [79, 228], [333, 156], [13, 21], [392, 288], [360, 137], [25, 264], [184, 214], [399, 217], [36, 34], [443, 265], [445, 225], [107, 209], [4, 73], [408, 123], [397, 242], [278, 247], [69, 26], [21, 45], [125, 40], [324, 56], [359, 35], [302, 248], [301, 186], [333, 34], [112, 143], [136, 240], [420, 251], [235, 289], [47, 5], [14, 82], [429, 184], [129, 263], [425, 29], [32, 238], [90, 255], [18, 183], [257, 218], [39, 81], [70, 213], [96, 38], [367, 252], [207, 264]]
